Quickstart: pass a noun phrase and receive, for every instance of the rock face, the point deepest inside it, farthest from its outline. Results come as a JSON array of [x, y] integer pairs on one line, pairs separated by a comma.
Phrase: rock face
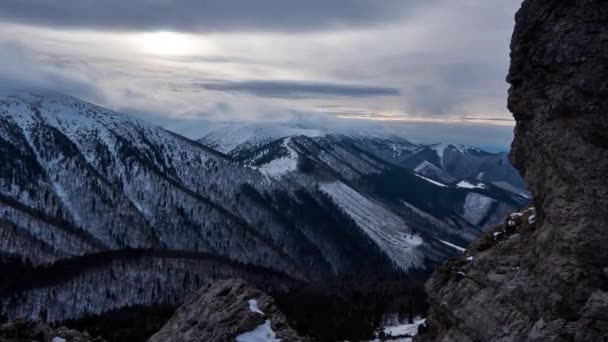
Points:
[[547, 280], [223, 310], [27, 331]]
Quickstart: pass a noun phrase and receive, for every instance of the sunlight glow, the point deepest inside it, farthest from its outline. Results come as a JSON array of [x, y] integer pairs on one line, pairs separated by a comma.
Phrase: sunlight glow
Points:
[[166, 43]]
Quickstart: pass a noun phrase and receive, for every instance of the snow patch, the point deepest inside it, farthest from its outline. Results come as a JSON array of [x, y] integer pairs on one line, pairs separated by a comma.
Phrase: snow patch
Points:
[[432, 181], [253, 306], [440, 150], [262, 333], [466, 185], [476, 207], [281, 166], [58, 339], [401, 332], [460, 249], [65, 199], [404, 329]]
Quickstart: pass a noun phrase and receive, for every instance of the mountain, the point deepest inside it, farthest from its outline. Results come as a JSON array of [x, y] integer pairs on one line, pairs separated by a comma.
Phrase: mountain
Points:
[[447, 163], [101, 211], [121, 212], [234, 139], [374, 191], [542, 276]]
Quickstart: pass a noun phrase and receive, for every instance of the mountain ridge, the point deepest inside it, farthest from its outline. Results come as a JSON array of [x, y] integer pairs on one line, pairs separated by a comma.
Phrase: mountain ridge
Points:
[[100, 203]]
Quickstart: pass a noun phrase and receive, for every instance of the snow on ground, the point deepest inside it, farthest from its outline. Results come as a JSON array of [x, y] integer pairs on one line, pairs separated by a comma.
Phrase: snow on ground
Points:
[[404, 329], [460, 249], [385, 228], [466, 185], [281, 166], [67, 202], [253, 306], [425, 165], [464, 149], [231, 136], [401, 332], [432, 181], [476, 207], [440, 149], [262, 333], [58, 339]]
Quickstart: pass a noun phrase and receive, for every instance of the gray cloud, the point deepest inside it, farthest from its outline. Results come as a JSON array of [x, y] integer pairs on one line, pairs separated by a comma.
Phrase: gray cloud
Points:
[[205, 15], [435, 59], [19, 70], [293, 89]]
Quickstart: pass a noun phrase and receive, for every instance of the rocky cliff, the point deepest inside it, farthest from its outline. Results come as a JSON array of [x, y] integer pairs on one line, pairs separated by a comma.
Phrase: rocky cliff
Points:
[[224, 311], [544, 276]]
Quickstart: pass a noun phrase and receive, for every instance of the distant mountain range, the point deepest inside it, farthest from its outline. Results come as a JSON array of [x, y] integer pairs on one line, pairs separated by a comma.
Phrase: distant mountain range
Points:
[[443, 162], [99, 210]]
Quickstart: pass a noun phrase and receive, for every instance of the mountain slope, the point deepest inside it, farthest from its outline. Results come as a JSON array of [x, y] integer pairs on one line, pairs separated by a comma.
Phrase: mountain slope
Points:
[[96, 202], [234, 138], [378, 195], [447, 163]]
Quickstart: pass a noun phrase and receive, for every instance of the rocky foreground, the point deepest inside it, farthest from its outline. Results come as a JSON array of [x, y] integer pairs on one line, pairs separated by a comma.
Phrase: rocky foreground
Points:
[[546, 280], [29, 331], [227, 310]]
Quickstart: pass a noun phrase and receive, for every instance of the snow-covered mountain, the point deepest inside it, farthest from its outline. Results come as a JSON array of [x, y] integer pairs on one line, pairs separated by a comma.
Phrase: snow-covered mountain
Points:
[[122, 212], [448, 163], [234, 138], [377, 178], [99, 210], [378, 194]]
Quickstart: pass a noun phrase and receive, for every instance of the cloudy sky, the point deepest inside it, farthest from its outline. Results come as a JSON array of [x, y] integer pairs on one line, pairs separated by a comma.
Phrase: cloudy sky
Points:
[[433, 69]]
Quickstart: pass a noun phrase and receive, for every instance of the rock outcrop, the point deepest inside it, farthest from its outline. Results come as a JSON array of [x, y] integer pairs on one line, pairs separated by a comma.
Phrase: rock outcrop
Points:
[[27, 331], [546, 280], [224, 310]]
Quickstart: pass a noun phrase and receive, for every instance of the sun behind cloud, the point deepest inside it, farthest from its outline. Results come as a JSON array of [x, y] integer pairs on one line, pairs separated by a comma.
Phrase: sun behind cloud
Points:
[[166, 43]]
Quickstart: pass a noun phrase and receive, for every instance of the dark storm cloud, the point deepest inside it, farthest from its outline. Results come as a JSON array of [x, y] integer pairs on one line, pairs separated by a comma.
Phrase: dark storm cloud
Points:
[[291, 89], [205, 15]]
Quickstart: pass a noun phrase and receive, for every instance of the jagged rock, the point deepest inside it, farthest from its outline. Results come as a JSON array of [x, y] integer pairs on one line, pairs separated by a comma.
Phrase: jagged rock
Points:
[[223, 310], [554, 286], [27, 331]]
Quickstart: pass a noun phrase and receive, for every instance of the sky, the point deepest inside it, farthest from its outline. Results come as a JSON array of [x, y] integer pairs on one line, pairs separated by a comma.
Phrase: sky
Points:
[[433, 70]]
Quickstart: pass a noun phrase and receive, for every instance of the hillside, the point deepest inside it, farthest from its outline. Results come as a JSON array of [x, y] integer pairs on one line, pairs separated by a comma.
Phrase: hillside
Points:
[[99, 203]]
